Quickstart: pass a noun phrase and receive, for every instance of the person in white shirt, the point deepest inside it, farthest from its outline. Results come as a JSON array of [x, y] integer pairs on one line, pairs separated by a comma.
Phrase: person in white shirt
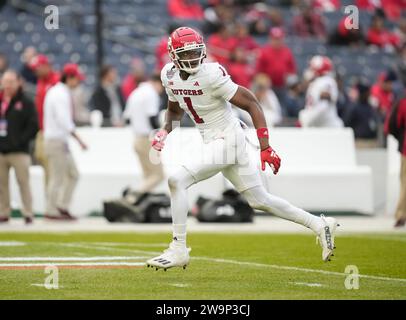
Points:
[[262, 89], [321, 96], [58, 128], [267, 99], [142, 110]]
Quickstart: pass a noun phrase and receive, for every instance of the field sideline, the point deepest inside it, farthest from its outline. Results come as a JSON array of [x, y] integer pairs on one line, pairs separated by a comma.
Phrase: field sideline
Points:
[[108, 265]]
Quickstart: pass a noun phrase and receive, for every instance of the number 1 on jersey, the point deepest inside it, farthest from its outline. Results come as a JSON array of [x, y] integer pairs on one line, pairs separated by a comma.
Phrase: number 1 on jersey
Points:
[[189, 104]]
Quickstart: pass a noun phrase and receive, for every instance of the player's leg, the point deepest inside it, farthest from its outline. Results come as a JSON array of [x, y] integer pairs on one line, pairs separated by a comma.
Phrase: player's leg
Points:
[[177, 255], [323, 227], [21, 164], [178, 185], [246, 179], [260, 199], [5, 208]]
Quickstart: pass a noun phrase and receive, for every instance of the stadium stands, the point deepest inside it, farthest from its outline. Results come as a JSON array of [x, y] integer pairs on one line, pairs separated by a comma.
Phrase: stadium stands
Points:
[[135, 27]]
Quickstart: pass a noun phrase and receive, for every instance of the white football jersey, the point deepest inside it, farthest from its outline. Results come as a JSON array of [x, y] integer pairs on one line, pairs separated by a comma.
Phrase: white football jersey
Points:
[[204, 97], [321, 112]]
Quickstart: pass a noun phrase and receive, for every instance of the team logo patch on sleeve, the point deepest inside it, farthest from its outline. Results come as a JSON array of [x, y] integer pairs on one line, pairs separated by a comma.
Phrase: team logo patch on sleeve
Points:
[[170, 73]]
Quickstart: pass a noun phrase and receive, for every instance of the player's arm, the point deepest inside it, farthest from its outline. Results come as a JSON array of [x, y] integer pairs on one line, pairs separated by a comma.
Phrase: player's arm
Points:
[[246, 100], [174, 114]]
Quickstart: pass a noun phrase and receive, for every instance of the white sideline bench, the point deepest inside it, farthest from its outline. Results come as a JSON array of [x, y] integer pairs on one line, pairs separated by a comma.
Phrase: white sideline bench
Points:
[[393, 172], [319, 170]]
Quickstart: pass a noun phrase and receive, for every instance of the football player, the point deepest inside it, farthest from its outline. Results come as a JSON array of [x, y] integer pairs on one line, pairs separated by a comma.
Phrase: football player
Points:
[[321, 96], [204, 91]]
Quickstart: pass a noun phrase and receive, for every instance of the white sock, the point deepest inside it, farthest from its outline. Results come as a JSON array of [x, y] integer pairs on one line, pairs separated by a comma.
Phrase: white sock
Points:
[[179, 234], [178, 185], [262, 200]]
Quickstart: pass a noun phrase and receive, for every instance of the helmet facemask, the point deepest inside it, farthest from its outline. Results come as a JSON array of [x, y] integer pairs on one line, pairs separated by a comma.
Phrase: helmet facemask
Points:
[[190, 57]]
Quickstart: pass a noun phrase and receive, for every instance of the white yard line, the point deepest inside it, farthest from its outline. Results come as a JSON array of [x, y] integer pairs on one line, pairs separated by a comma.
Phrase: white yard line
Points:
[[78, 264], [12, 244], [101, 258], [131, 244], [228, 261], [251, 264], [307, 284], [179, 285], [43, 285], [84, 246], [306, 270]]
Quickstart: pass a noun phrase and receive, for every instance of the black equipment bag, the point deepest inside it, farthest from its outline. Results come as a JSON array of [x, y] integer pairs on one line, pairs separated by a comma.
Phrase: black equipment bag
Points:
[[139, 208], [122, 211], [231, 208]]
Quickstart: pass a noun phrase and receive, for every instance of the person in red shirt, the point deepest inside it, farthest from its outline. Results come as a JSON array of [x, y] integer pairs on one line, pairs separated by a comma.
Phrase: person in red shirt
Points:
[[131, 80], [396, 125], [378, 35], [185, 9], [391, 8], [382, 96], [343, 36], [239, 69], [221, 44], [243, 38], [47, 78], [161, 51], [276, 60], [161, 54]]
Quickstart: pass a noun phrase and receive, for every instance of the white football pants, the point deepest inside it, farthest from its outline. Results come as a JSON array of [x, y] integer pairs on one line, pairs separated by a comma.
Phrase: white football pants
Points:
[[257, 197]]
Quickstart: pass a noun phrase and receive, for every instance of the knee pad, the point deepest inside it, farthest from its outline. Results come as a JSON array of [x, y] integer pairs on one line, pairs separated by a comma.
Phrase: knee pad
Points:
[[181, 179]]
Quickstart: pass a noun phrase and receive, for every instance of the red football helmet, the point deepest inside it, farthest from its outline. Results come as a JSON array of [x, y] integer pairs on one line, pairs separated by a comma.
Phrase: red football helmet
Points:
[[320, 65], [186, 49]]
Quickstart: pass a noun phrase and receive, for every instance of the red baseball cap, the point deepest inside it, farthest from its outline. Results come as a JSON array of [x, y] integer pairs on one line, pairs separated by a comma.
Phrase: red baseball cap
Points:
[[39, 60], [72, 69], [277, 33]]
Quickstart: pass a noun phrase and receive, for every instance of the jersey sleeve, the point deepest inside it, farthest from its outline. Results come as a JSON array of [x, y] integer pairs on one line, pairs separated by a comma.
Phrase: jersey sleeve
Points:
[[223, 86], [331, 87], [164, 80]]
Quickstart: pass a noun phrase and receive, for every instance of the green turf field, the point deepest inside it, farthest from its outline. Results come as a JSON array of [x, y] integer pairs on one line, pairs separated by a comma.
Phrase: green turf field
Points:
[[223, 266]]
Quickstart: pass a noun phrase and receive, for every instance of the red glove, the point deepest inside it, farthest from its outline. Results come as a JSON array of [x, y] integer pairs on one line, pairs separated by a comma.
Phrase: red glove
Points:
[[269, 156], [159, 140]]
